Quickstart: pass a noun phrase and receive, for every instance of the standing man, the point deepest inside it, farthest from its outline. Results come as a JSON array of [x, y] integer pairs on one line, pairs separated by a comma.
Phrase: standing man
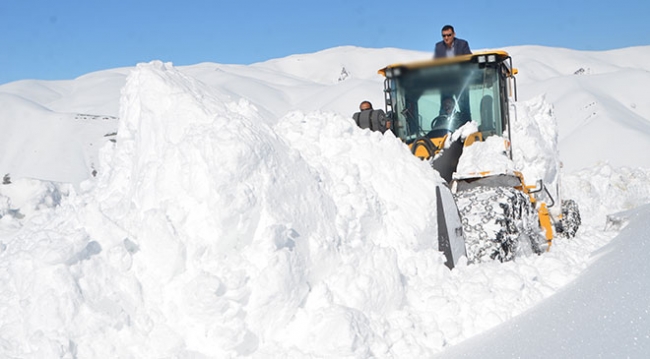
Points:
[[450, 46], [375, 120]]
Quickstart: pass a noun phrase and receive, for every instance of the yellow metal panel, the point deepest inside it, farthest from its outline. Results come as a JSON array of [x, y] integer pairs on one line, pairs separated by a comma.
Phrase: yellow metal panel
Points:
[[421, 147], [545, 222], [474, 137]]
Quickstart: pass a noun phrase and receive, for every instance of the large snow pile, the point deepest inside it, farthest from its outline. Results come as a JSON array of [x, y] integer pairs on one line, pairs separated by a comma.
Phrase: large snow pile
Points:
[[208, 232], [215, 228]]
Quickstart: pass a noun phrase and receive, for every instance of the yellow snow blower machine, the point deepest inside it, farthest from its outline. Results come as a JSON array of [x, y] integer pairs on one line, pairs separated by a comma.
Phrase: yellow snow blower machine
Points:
[[442, 107]]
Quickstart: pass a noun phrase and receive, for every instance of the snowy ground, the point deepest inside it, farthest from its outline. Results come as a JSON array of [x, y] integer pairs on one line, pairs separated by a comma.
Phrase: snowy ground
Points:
[[238, 212]]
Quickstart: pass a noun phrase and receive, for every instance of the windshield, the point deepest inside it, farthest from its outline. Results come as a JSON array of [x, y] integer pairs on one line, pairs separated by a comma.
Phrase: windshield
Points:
[[437, 100]]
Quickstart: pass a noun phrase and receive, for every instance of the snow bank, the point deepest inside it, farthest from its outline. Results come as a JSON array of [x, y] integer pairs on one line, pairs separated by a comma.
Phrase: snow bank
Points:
[[208, 232], [622, 188], [534, 144], [607, 306]]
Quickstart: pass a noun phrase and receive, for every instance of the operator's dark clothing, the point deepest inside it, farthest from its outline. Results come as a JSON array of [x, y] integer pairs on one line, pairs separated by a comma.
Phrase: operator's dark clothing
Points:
[[459, 46], [375, 120]]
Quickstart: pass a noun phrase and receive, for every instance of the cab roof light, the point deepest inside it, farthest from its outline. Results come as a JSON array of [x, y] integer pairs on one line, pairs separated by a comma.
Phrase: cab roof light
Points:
[[393, 72]]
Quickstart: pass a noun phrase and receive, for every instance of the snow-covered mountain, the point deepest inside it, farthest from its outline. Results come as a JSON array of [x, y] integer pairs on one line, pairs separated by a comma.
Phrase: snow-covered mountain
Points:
[[602, 115], [236, 211]]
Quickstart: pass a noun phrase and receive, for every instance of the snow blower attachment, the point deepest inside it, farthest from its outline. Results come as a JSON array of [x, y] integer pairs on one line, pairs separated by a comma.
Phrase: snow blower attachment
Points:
[[440, 108]]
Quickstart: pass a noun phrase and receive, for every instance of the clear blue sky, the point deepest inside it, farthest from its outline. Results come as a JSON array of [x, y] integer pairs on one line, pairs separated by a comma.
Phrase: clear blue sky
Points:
[[63, 39]]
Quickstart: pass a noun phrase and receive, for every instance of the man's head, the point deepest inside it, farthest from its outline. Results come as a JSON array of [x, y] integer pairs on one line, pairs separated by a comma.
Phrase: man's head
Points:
[[448, 105], [365, 105], [448, 34]]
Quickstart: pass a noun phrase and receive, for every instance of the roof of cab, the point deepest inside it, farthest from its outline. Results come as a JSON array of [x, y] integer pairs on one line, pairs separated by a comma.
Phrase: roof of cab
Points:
[[444, 61]]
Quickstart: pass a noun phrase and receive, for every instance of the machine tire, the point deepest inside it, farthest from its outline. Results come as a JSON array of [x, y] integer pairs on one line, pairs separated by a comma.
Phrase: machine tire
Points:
[[499, 223], [571, 220]]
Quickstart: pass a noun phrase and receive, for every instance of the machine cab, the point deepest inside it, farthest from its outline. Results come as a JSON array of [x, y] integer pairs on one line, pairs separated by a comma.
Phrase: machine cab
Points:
[[429, 99]]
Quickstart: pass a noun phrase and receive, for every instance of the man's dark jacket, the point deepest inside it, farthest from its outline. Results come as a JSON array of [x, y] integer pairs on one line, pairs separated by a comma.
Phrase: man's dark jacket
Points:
[[461, 47]]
